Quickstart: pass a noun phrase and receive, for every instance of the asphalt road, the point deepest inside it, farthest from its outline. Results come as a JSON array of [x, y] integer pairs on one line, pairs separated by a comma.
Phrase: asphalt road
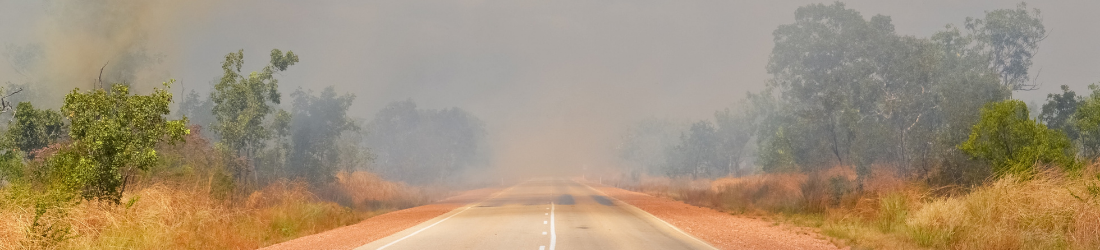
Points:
[[543, 214]]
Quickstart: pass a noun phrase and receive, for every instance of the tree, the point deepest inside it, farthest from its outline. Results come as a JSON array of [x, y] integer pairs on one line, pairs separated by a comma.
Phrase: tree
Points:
[[1013, 143], [242, 103], [645, 144], [114, 134], [1010, 38], [698, 154], [1086, 121], [34, 128], [197, 110], [318, 122], [1058, 112], [734, 129], [426, 145]]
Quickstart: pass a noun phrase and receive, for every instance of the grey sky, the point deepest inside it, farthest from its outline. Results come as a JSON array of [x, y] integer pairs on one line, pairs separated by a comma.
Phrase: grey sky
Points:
[[554, 80]]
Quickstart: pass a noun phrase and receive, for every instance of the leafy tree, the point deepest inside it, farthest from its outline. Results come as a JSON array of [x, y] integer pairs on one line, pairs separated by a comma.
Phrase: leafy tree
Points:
[[698, 153], [318, 122], [735, 130], [644, 145], [1058, 112], [197, 110], [114, 134], [242, 104], [1010, 38], [426, 145], [34, 128], [1013, 143], [1086, 121]]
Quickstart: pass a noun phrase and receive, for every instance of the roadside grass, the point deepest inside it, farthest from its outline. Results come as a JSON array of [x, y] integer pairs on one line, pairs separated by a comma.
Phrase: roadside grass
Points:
[[176, 216], [1051, 210], [191, 201]]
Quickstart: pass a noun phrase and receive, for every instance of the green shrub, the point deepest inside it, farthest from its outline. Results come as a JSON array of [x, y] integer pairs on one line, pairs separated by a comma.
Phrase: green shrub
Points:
[[1013, 143]]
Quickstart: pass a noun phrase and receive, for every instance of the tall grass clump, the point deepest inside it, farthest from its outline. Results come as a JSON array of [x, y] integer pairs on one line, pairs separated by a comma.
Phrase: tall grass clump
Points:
[[1048, 211]]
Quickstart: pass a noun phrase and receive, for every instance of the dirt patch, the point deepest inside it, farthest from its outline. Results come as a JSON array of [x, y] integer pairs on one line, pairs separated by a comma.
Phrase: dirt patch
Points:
[[720, 229], [380, 226]]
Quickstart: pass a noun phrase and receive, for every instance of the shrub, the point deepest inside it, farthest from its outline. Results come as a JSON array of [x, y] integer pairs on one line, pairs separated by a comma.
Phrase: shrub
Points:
[[1013, 143]]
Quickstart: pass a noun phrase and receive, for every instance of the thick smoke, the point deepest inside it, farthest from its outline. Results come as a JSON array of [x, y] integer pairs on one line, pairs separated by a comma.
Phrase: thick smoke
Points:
[[556, 82], [76, 44]]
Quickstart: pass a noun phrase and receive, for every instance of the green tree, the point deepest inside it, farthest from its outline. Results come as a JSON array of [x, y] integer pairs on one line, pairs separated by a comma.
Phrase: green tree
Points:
[[35, 128], [735, 129], [114, 134], [421, 146], [243, 102], [1086, 121], [1013, 143], [197, 110], [698, 153], [318, 122], [1058, 112], [1009, 39]]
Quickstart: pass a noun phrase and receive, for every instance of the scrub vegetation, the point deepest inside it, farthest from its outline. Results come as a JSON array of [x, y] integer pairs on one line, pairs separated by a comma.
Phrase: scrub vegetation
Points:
[[891, 141], [115, 169]]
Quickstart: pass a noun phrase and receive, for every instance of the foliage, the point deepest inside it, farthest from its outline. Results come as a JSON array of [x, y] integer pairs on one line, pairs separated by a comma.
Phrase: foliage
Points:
[[697, 154], [1013, 143], [318, 122], [241, 103], [1059, 110], [114, 134], [34, 128], [1009, 38], [850, 91], [643, 146], [197, 110], [1086, 120], [422, 146]]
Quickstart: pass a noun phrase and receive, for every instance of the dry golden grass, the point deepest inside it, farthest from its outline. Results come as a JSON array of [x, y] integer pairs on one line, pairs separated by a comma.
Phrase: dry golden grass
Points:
[[1049, 211], [168, 215]]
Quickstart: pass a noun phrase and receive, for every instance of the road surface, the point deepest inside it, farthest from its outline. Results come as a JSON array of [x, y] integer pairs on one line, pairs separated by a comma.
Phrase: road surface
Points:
[[543, 214]]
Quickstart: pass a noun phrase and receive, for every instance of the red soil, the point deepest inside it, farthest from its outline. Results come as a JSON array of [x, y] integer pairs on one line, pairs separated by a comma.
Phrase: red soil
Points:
[[720, 229]]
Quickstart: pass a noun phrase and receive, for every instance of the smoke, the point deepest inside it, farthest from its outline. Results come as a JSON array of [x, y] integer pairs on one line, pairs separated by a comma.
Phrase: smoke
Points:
[[556, 82], [75, 44]]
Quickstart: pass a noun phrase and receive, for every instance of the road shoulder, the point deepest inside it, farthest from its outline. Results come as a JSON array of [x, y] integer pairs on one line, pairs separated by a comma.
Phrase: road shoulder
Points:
[[380, 226], [720, 229]]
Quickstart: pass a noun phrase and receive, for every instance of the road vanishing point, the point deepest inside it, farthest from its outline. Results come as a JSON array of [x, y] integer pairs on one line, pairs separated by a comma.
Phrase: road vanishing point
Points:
[[544, 214]]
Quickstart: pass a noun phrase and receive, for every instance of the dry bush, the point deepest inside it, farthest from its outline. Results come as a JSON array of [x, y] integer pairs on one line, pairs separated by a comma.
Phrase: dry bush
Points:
[[779, 192], [367, 191]]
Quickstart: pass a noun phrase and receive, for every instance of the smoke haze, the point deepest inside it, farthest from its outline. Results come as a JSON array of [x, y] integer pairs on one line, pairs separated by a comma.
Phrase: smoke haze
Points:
[[555, 81]]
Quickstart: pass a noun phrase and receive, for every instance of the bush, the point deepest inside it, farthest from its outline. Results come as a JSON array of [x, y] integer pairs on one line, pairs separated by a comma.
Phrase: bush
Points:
[[1013, 143]]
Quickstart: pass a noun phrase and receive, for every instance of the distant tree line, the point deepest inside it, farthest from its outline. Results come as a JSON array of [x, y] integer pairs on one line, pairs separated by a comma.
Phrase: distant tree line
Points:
[[849, 91], [317, 138], [423, 146]]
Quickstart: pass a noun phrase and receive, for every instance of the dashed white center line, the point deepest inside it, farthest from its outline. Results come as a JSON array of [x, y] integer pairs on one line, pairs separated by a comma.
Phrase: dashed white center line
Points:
[[544, 222], [553, 234], [543, 233], [542, 247]]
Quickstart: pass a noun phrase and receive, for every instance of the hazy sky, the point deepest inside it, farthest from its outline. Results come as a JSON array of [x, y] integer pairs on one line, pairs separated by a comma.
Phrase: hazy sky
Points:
[[554, 80]]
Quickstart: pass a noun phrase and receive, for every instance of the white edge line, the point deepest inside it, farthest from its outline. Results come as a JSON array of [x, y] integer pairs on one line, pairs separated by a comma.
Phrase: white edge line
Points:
[[650, 215], [453, 215], [553, 233]]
